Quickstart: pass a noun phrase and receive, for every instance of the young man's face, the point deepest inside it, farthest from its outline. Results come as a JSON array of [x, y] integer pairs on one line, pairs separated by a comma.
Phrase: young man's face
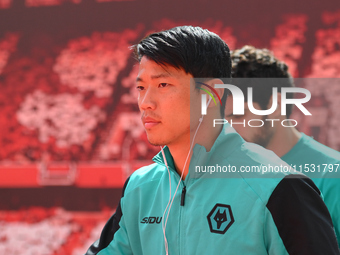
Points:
[[258, 135], [164, 101]]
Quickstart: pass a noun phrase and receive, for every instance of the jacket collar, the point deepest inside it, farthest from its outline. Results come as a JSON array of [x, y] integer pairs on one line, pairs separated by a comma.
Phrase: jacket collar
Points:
[[227, 141]]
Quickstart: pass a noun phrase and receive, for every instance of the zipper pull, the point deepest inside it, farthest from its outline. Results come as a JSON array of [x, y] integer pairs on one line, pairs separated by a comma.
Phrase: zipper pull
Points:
[[184, 190]]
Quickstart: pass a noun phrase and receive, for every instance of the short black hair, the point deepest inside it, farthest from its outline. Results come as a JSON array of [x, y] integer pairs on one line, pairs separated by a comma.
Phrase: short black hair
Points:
[[250, 62], [197, 51]]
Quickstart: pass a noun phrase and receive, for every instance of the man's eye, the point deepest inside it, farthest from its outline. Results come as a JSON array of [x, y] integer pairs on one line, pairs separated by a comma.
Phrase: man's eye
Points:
[[233, 117], [236, 117], [163, 85], [140, 88]]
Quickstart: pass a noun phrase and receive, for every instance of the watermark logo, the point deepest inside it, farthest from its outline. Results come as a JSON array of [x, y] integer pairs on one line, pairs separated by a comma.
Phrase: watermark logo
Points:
[[204, 97], [238, 100], [239, 104]]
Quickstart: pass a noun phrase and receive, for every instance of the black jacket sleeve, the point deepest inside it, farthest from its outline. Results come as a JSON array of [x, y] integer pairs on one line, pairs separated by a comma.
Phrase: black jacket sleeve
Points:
[[301, 217], [109, 230]]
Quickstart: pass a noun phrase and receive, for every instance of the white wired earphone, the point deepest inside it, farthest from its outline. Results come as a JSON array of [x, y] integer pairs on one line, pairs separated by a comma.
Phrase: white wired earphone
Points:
[[164, 223]]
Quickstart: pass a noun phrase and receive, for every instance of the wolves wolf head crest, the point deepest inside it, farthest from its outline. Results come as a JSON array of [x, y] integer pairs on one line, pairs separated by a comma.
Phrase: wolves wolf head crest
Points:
[[220, 217]]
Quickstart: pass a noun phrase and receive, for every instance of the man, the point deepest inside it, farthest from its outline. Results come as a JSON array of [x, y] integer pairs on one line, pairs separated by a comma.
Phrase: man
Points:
[[317, 161], [164, 210]]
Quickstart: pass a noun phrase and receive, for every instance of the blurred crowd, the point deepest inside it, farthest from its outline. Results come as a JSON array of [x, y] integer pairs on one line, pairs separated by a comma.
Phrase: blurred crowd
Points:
[[48, 231], [75, 100]]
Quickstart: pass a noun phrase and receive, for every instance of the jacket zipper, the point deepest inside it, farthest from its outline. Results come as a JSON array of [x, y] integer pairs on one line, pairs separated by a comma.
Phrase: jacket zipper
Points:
[[184, 190], [180, 220]]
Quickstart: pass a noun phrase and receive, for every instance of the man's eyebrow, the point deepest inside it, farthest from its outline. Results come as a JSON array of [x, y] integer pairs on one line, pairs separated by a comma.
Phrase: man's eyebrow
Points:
[[138, 79], [162, 75]]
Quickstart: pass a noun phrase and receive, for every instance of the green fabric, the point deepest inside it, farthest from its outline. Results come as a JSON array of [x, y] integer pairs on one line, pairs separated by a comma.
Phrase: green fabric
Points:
[[188, 232], [308, 151]]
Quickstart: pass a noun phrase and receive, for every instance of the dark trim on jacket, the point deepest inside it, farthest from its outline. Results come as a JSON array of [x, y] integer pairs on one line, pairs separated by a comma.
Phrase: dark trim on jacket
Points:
[[109, 230], [294, 204]]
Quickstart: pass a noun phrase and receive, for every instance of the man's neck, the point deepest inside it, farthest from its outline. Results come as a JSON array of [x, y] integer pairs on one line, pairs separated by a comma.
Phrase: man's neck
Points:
[[206, 136], [283, 140]]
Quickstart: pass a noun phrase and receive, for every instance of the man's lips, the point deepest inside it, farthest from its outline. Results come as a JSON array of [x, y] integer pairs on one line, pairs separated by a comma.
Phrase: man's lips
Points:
[[150, 122]]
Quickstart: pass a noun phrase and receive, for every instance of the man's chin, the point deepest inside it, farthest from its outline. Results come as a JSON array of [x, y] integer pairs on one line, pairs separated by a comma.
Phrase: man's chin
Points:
[[263, 140], [156, 141], [157, 144]]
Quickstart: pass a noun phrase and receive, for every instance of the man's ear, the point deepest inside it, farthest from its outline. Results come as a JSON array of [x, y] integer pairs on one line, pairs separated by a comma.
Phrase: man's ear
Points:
[[277, 113], [219, 91]]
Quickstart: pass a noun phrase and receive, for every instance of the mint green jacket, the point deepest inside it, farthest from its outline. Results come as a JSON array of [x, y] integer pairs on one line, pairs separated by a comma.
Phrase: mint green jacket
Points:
[[322, 165], [219, 213]]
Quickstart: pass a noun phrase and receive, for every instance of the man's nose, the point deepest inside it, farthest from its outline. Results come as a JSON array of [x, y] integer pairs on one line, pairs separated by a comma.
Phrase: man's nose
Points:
[[147, 100]]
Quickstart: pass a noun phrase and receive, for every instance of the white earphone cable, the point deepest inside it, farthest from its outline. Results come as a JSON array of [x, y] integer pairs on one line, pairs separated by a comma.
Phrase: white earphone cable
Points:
[[164, 223]]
